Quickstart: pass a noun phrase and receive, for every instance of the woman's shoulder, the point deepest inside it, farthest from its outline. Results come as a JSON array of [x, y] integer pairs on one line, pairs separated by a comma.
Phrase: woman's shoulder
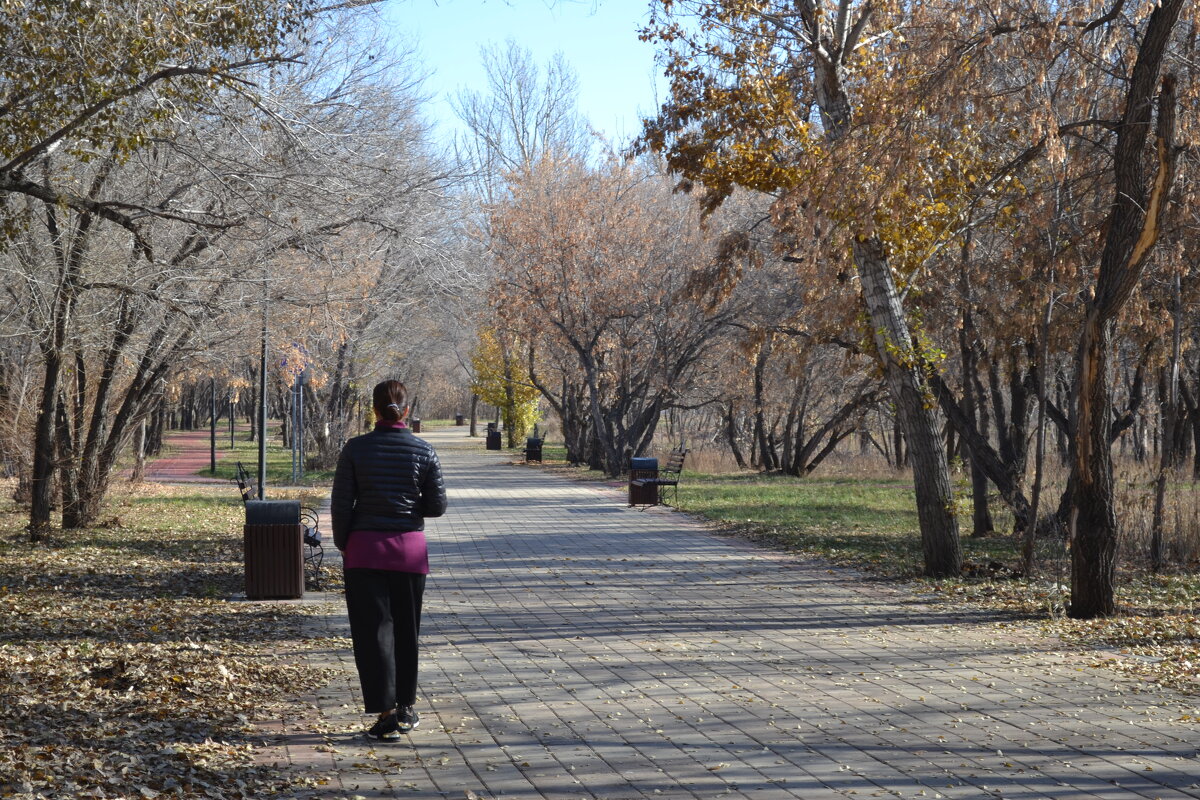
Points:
[[390, 437], [360, 441]]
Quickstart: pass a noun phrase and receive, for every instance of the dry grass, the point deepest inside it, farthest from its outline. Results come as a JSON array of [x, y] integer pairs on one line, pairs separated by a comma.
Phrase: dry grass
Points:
[[127, 668]]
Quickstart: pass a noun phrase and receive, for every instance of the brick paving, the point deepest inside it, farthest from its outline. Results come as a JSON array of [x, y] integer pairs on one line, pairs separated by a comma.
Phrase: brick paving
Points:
[[574, 648]]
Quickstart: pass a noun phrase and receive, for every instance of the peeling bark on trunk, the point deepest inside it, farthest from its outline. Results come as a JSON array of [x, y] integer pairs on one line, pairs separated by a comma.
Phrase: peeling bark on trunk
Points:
[[1093, 521], [1132, 231], [914, 408]]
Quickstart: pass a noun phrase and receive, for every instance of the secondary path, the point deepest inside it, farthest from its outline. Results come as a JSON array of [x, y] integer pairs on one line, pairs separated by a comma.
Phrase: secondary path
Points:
[[577, 649], [189, 454]]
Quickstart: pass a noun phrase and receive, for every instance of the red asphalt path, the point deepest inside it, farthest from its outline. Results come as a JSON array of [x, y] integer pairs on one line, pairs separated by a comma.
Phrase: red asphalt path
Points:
[[189, 455]]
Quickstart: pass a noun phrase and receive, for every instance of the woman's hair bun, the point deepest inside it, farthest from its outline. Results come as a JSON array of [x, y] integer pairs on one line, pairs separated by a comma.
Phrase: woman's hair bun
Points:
[[389, 399]]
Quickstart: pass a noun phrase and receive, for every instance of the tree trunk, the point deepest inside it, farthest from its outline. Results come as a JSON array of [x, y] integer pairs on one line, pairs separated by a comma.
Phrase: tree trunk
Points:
[[1130, 235], [254, 404], [981, 517], [914, 407], [1062, 436], [65, 445], [1093, 521], [154, 434], [1031, 527], [767, 460], [41, 499], [1168, 396], [23, 493], [139, 465], [731, 436], [1002, 474]]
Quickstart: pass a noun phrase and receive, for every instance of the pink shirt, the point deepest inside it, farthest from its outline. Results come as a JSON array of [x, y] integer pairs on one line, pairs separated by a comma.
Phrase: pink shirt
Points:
[[392, 550], [398, 551]]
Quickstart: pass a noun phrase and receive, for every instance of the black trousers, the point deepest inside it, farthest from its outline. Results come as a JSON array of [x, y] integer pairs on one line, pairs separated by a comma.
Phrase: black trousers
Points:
[[385, 621]]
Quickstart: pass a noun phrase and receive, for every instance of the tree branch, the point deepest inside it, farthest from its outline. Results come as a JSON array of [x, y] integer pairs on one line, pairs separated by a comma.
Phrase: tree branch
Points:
[[15, 182], [32, 152]]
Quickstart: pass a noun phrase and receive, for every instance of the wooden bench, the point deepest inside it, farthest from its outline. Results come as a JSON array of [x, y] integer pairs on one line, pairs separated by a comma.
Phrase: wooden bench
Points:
[[668, 476], [242, 479]]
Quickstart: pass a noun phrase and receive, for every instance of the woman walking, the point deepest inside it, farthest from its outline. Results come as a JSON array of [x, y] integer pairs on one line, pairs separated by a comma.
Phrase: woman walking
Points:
[[387, 482]]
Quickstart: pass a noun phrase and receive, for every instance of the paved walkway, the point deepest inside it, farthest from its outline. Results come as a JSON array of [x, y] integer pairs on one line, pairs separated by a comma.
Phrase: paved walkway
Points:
[[577, 649]]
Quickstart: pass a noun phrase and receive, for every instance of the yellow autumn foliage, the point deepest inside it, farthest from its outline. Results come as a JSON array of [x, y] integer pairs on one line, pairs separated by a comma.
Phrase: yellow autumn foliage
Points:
[[502, 380]]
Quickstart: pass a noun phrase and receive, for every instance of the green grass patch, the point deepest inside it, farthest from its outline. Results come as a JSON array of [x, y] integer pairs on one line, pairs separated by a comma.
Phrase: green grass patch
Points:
[[554, 452], [279, 461], [864, 522], [859, 522]]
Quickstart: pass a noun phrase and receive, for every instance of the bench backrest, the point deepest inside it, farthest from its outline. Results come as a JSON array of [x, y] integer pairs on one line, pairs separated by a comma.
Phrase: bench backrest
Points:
[[242, 479], [674, 463]]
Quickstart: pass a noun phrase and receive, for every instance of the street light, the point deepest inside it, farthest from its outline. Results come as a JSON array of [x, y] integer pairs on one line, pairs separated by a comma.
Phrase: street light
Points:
[[297, 392], [262, 403], [233, 398], [212, 426]]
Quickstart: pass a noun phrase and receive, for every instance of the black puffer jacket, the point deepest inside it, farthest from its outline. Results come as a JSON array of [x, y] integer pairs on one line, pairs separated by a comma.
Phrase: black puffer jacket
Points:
[[386, 480]]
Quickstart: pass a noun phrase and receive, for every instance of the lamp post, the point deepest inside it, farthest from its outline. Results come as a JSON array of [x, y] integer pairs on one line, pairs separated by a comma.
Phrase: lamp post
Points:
[[297, 393], [300, 427], [212, 427], [293, 392], [262, 404]]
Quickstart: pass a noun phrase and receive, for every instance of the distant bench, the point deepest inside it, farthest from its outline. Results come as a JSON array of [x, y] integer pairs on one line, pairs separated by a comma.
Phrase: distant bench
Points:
[[668, 476]]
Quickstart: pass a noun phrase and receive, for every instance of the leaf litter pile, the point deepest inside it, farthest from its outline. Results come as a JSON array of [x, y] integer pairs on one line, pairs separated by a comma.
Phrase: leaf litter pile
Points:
[[126, 669]]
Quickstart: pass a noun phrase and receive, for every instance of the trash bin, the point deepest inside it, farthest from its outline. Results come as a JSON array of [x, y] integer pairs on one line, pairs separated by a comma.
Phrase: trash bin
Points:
[[416, 425], [493, 439], [460, 420], [273, 545], [533, 449], [643, 468]]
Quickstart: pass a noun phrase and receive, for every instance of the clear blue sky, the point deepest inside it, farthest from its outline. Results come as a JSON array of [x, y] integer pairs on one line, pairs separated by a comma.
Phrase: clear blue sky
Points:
[[599, 40]]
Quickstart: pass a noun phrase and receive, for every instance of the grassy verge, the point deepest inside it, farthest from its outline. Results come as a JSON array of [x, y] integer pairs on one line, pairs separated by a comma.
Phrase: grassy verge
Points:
[[125, 668]]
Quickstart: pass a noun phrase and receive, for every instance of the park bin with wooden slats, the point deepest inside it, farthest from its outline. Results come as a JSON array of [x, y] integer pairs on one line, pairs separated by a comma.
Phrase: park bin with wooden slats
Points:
[[643, 469], [273, 540]]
